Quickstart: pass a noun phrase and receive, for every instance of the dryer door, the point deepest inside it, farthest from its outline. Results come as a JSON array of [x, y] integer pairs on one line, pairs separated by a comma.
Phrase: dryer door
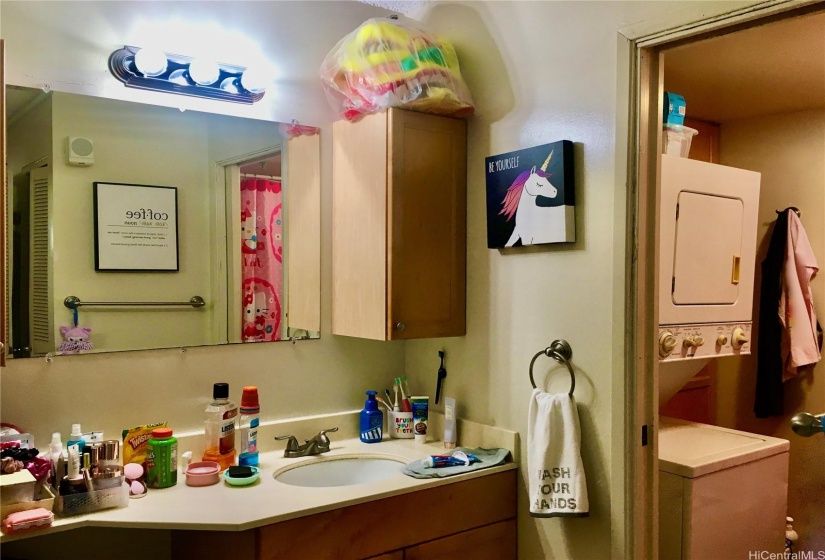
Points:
[[708, 249]]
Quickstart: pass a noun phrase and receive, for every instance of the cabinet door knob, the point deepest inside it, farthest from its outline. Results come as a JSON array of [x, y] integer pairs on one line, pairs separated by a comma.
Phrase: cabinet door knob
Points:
[[401, 327]]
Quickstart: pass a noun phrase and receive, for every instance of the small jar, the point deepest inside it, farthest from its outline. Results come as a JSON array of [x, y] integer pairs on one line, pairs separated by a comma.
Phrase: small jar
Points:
[[162, 459]]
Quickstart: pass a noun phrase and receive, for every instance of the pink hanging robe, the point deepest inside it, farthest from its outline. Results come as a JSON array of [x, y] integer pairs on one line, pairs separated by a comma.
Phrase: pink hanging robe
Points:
[[796, 305]]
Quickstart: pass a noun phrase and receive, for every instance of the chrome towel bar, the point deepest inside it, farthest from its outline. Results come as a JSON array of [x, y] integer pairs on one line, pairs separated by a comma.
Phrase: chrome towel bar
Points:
[[560, 351], [73, 302]]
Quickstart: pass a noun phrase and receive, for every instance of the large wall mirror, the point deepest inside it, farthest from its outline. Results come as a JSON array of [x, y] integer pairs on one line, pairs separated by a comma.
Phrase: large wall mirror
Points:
[[91, 216]]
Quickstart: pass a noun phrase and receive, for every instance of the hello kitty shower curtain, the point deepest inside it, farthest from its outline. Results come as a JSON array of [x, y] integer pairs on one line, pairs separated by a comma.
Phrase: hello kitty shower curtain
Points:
[[262, 258]]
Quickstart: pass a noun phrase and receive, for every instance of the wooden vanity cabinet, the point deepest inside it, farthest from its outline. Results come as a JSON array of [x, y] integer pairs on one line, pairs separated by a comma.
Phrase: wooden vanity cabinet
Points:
[[473, 519], [399, 226]]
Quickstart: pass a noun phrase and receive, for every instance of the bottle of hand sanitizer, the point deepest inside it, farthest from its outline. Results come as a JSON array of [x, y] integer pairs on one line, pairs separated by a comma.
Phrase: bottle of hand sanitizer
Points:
[[372, 420]]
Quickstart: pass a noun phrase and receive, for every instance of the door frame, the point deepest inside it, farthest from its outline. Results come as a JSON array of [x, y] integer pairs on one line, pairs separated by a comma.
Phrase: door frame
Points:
[[227, 210], [4, 316], [640, 58]]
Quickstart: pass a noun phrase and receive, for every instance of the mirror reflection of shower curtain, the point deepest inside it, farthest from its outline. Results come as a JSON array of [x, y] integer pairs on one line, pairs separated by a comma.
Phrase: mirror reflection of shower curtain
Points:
[[262, 259]]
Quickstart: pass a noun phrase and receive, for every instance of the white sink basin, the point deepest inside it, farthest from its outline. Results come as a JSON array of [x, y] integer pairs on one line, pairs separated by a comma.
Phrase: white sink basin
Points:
[[343, 470]]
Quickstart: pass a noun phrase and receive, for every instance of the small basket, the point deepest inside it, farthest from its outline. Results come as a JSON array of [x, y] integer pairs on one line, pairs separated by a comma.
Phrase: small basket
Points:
[[676, 140], [88, 502]]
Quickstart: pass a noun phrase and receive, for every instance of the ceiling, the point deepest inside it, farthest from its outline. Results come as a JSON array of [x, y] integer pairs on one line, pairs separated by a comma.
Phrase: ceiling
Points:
[[766, 70], [67, 45]]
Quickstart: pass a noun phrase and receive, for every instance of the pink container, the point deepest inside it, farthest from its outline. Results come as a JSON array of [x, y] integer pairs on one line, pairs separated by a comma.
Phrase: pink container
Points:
[[202, 473]]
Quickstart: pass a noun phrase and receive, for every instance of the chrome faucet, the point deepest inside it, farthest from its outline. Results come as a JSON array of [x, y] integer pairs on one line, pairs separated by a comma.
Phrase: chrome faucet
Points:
[[318, 444]]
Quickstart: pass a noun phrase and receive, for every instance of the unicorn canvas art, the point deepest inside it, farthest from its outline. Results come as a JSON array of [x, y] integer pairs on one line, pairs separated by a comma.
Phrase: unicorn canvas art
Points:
[[530, 196]]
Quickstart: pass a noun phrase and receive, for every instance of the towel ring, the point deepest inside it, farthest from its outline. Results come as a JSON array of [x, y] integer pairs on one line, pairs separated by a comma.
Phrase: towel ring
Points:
[[560, 351]]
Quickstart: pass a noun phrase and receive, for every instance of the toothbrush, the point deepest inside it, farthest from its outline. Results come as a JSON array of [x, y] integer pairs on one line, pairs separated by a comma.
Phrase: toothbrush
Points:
[[395, 407], [405, 402], [404, 387], [384, 403]]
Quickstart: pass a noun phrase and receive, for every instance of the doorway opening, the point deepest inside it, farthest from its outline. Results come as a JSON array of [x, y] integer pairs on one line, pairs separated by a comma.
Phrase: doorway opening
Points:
[[755, 90], [256, 246]]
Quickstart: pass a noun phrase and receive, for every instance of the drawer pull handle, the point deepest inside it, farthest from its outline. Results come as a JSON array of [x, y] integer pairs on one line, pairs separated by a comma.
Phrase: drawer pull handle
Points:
[[734, 273]]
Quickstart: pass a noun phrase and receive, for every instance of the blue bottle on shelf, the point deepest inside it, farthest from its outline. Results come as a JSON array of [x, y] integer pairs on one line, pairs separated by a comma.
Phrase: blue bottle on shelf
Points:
[[372, 420]]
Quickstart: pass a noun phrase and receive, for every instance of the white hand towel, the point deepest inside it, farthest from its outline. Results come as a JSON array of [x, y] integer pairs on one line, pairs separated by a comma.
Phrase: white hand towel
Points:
[[556, 478]]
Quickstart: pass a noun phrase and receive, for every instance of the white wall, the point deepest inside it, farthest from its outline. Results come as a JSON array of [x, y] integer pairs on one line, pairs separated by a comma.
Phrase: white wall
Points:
[[789, 150], [541, 72], [144, 145]]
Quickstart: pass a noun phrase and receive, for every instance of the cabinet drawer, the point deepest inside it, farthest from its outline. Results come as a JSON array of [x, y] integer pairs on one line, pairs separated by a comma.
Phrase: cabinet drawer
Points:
[[493, 542]]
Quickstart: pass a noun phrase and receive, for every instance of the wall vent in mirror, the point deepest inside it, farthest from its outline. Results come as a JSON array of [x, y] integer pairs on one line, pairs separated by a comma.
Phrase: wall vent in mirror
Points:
[[173, 73]]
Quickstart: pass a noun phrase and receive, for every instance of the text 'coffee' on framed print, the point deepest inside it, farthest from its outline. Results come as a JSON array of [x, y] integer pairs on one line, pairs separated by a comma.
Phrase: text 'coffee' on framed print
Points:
[[136, 228], [531, 196]]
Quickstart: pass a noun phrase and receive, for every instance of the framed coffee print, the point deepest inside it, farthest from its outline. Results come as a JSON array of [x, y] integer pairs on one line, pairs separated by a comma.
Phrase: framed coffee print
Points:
[[136, 227]]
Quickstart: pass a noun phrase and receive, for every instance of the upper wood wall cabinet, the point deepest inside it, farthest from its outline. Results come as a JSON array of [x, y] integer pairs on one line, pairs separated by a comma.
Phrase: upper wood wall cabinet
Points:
[[399, 226]]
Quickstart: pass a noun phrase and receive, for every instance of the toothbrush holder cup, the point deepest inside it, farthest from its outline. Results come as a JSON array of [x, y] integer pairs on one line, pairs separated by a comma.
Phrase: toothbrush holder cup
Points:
[[400, 425]]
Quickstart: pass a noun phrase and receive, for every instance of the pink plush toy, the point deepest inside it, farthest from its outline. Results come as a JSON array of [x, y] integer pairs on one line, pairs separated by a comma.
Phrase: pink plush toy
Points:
[[75, 339]]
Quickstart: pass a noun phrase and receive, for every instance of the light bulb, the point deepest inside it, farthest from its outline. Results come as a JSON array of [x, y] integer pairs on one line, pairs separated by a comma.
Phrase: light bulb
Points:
[[179, 77], [254, 80], [229, 84], [204, 72], [150, 62]]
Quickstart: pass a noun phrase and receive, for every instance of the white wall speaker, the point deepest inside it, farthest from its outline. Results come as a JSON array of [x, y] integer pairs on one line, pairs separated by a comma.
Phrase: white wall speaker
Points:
[[81, 151]]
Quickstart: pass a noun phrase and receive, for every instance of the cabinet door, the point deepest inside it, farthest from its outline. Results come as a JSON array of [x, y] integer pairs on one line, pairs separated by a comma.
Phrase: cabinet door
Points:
[[359, 227], [427, 226], [708, 249], [303, 181], [493, 542]]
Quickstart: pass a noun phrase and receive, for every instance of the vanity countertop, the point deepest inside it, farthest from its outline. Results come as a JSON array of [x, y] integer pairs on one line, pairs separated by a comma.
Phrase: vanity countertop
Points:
[[226, 508]]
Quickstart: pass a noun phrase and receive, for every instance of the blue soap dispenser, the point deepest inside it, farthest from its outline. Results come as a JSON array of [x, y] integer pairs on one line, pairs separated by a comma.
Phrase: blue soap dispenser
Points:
[[372, 420]]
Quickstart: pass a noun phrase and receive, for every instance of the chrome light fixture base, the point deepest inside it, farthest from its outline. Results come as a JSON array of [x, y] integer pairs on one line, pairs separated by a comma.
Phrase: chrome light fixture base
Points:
[[176, 78]]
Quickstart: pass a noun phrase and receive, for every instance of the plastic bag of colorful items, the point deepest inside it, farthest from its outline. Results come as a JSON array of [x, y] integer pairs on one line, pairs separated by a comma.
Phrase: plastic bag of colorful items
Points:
[[394, 63]]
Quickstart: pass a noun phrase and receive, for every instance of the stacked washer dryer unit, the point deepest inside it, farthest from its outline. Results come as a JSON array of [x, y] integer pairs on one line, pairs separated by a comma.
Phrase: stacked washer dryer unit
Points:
[[711, 478]]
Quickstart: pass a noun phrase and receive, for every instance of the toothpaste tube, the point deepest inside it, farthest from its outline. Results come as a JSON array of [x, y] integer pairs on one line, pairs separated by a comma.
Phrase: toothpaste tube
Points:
[[459, 458]]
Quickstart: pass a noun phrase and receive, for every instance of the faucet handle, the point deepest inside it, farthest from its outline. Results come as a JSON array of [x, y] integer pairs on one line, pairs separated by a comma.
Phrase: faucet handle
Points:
[[322, 436], [291, 445]]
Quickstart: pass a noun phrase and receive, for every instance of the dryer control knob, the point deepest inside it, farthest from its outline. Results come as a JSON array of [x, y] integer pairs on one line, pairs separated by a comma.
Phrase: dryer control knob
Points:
[[693, 342], [722, 340], [667, 342], [738, 338]]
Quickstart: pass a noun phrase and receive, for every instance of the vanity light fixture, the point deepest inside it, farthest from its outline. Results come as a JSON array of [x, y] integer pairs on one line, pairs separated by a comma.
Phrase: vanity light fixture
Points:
[[173, 73]]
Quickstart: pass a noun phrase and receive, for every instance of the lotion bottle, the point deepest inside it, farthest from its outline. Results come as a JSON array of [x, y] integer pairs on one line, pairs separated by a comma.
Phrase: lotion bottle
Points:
[[76, 438]]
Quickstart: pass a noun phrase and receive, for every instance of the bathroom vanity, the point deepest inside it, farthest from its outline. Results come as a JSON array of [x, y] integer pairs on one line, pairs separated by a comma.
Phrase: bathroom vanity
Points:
[[475, 518], [392, 517]]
